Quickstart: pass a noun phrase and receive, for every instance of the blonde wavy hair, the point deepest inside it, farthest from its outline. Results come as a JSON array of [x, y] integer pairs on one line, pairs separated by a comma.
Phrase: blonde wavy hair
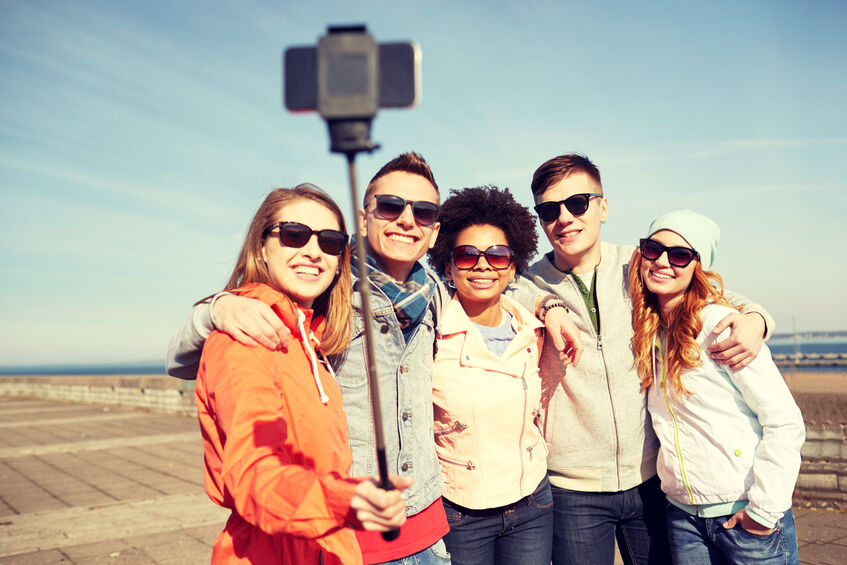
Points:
[[685, 324], [335, 303]]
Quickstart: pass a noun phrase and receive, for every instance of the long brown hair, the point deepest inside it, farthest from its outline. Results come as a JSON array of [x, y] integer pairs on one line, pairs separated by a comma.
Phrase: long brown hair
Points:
[[682, 329], [335, 303]]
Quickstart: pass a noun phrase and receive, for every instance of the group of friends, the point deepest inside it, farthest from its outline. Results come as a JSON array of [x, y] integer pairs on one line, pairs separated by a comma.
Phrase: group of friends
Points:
[[534, 412]]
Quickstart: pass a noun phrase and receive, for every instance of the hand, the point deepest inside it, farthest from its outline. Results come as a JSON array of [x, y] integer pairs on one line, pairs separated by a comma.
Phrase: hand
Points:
[[748, 523], [743, 344], [250, 322], [378, 509], [564, 334]]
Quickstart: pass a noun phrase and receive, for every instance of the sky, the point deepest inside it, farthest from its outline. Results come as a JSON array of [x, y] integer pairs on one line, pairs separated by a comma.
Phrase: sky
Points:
[[137, 140]]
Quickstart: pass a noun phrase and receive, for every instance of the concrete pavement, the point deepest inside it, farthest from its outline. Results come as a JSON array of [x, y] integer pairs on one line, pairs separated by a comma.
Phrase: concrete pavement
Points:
[[87, 484]]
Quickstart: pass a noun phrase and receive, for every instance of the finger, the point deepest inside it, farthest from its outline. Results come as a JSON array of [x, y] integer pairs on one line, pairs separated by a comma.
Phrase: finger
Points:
[[723, 324], [558, 341], [578, 349], [243, 338], [400, 483], [727, 353], [724, 344], [737, 363]]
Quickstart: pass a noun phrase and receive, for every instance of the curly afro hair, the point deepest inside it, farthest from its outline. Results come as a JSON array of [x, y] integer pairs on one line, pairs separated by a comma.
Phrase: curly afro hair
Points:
[[484, 205]]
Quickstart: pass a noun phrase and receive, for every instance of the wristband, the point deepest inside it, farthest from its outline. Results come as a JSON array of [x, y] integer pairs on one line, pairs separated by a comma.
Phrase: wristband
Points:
[[550, 302]]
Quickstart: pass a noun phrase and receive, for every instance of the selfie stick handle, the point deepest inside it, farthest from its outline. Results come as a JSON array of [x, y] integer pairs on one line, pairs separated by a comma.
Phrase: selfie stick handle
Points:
[[367, 314]]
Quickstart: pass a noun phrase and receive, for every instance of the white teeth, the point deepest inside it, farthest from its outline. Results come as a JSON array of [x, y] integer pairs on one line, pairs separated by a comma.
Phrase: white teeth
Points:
[[661, 275], [401, 238], [304, 270]]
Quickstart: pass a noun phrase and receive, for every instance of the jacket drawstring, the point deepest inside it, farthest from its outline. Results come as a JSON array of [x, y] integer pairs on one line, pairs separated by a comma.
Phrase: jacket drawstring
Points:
[[312, 357]]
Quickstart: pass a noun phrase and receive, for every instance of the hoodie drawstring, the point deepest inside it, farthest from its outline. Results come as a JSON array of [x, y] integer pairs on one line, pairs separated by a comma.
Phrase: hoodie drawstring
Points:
[[312, 357]]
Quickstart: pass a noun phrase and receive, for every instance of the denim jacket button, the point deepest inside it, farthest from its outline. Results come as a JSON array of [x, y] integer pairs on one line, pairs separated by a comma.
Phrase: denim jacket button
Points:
[[384, 329], [405, 467]]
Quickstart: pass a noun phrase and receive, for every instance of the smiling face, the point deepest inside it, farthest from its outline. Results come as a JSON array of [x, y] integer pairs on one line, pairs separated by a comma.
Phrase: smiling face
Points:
[[667, 282], [398, 244], [480, 287], [575, 239], [302, 273]]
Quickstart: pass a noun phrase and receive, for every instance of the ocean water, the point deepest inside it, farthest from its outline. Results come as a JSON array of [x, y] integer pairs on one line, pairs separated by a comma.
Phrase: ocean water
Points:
[[789, 346], [144, 368], [778, 346]]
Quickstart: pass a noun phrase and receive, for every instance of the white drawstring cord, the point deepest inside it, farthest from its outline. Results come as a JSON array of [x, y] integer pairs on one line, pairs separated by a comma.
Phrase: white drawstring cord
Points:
[[312, 357]]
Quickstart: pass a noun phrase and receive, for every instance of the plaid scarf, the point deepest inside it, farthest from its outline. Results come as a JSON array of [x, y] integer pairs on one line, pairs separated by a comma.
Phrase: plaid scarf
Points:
[[410, 299]]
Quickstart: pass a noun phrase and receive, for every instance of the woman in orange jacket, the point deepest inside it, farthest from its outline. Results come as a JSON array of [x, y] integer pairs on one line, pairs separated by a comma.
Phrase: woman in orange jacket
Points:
[[274, 432]]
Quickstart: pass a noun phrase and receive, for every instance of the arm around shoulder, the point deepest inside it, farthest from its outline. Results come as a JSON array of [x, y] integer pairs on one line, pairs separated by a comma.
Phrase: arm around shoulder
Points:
[[186, 345]]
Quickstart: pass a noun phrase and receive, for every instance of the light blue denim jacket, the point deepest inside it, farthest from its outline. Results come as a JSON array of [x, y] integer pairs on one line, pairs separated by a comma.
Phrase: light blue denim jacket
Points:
[[405, 388]]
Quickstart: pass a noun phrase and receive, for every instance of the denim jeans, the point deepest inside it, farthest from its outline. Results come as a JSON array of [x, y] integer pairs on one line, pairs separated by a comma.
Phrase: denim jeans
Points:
[[519, 533], [696, 540], [587, 523], [436, 554]]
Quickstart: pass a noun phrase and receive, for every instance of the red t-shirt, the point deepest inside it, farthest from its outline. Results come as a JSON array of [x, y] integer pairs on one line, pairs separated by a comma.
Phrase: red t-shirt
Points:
[[418, 533]]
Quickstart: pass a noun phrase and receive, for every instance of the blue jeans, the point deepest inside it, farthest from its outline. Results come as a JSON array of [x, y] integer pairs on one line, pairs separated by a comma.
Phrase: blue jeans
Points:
[[436, 554], [587, 523], [519, 533], [696, 540]]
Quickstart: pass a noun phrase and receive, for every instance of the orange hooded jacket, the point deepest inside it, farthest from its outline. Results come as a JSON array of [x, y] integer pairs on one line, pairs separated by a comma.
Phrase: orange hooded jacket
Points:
[[275, 441]]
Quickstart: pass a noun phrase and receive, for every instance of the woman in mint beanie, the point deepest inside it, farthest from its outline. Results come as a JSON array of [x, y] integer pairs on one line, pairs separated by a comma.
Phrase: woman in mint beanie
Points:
[[730, 440]]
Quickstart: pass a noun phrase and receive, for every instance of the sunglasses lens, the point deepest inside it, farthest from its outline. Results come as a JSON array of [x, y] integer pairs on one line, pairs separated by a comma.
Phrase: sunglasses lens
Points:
[[389, 207], [499, 256], [680, 256], [425, 213], [294, 235], [548, 211], [650, 249], [332, 241], [577, 204], [465, 256]]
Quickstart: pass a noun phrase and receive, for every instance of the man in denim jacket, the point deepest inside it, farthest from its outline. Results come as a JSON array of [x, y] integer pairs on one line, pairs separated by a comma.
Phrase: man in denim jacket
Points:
[[398, 221]]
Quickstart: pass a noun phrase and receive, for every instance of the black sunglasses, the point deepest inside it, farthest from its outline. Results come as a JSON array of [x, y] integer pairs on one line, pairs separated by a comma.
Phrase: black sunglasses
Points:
[[576, 205], [293, 234], [467, 256], [391, 207], [677, 256]]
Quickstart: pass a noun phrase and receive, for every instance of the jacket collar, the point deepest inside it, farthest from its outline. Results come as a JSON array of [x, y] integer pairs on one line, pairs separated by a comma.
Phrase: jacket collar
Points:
[[285, 308], [455, 320]]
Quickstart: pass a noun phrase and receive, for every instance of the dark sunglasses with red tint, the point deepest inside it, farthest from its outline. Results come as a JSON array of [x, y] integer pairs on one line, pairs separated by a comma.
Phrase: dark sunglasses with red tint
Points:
[[677, 256], [293, 234], [467, 256], [391, 207], [576, 204]]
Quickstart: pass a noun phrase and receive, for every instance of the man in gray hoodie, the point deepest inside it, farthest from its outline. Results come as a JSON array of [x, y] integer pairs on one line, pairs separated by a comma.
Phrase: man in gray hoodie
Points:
[[602, 449]]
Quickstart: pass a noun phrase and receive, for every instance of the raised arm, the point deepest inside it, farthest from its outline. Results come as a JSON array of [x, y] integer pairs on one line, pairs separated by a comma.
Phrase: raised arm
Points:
[[749, 329], [249, 321]]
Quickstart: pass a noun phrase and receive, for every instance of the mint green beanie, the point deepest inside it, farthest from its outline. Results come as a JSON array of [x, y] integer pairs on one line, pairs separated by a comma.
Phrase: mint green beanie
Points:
[[701, 233]]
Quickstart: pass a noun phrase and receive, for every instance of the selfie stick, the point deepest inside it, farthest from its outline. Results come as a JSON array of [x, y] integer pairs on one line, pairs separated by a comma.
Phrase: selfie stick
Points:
[[351, 136], [367, 315]]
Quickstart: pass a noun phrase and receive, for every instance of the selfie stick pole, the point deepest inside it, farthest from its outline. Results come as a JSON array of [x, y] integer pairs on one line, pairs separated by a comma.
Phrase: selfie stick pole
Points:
[[350, 149]]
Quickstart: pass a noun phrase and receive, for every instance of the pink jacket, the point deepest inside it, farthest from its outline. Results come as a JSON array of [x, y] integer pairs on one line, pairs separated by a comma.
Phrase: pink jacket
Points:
[[485, 407]]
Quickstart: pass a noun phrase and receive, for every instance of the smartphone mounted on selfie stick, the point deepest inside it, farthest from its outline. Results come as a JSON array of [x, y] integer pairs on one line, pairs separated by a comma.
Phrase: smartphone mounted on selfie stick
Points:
[[347, 78]]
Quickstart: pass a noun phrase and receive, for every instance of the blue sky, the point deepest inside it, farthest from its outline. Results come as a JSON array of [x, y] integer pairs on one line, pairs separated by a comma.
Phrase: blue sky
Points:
[[137, 139]]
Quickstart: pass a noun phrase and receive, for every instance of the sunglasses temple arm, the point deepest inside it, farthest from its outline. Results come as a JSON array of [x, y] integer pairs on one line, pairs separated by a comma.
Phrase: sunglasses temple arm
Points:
[[370, 355]]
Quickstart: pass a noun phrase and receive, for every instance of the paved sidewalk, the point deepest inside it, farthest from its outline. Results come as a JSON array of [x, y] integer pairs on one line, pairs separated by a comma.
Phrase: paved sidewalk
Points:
[[84, 484]]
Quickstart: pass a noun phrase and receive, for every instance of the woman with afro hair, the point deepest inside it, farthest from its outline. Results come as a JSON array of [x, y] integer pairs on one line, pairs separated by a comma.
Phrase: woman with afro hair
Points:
[[486, 387]]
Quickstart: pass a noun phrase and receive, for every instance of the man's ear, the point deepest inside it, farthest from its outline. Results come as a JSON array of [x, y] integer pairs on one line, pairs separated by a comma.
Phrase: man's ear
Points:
[[604, 210], [435, 227], [362, 222]]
